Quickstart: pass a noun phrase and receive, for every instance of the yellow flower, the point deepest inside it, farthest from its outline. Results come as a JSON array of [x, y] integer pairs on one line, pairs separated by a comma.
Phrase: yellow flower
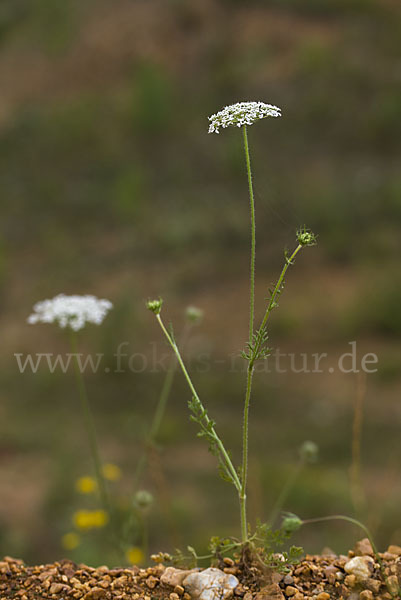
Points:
[[89, 519], [100, 518], [82, 519], [70, 540], [86, 485], [134, 555], [111, 472]]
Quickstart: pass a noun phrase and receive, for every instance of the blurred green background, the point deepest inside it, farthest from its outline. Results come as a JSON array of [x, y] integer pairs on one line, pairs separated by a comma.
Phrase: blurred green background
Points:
[[112, 186]]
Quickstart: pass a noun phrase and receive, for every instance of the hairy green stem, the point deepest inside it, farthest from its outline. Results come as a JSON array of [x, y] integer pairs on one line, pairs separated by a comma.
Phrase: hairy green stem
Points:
[[244, 467], [245, 423], [289, 261], [165, 391], [253, 235], [222, 450], [251, 365]]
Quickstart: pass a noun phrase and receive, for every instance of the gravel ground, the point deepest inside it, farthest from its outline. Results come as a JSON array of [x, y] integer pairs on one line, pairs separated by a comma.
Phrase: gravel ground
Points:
[[320, 577]]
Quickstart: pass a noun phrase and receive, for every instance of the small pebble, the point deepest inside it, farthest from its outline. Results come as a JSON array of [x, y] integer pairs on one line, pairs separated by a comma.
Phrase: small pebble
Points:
[[210, 584], [350, 581], [394, 550], [179, 590], [231, 570], [239, 590], [173, 576], [151, 582], [374, 585], [360, 566], [392, 585], [363, 548], [290, 590], [55, 588]]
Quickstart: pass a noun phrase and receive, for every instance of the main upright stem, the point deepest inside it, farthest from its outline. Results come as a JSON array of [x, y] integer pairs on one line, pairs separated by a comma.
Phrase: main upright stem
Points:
[[245, 424], [253, 235], [244, 467]]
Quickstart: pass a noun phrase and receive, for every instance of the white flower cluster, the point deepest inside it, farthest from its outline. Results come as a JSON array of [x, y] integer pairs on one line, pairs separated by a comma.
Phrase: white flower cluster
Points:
[[70, 311], [242, 113]]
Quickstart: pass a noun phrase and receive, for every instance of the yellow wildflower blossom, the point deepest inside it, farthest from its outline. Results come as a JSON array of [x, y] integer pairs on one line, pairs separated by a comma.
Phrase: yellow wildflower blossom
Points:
[[82, 519], [70, 540], [89, 519], [135, 555], [86, 485], [100, 518], [111, 472]]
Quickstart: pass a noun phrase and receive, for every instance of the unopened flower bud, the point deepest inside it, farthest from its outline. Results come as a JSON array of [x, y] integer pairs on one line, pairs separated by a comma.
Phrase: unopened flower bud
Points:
[[155, 306], [161, 557]]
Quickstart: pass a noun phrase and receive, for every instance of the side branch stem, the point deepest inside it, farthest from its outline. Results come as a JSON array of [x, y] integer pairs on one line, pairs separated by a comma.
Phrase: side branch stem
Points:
[[220, 445], [289, 261]]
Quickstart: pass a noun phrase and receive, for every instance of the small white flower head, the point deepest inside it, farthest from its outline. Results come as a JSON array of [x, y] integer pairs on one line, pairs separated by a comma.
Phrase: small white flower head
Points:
[[242, 113], [70, 311]]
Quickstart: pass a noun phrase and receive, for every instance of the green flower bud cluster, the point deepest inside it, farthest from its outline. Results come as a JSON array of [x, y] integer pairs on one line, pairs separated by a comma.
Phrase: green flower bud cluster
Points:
[[155, 306], [306, 237]]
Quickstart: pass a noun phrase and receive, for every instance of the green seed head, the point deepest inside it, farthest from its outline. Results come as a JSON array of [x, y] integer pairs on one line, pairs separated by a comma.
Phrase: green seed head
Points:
[[143, 499], [155, 306], [194, 314], [290, 523], [309, 452], [306, 237]]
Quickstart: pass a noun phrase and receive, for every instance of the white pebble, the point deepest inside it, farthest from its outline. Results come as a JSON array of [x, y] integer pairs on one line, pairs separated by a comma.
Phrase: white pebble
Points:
[[360, 566], [210, 584]]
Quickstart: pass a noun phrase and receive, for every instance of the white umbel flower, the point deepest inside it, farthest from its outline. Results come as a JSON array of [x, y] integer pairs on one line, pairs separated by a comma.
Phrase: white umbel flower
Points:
[[242, 113], [70, 311]]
